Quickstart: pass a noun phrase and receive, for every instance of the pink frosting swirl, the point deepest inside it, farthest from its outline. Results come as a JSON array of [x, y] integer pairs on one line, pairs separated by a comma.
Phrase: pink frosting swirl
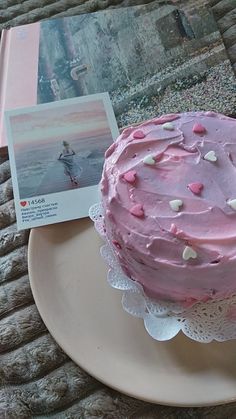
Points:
[[152, 242]]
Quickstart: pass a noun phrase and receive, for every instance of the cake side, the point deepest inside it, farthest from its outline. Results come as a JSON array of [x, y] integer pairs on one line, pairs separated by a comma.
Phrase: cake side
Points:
[[169, 198]]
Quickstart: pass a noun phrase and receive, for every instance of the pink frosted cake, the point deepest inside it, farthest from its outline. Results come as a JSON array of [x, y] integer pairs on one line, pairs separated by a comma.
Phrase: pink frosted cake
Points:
[[169, 198]]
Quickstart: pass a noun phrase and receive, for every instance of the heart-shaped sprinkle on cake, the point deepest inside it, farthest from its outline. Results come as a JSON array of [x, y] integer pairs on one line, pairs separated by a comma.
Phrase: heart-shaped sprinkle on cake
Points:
[[149, 160], [175, 204], [210, 156], [137, 210], [130, 176], [196, 187], [189, 253], [138, 135], [173, 228], [199, 128], [168, 126], [232, 203]]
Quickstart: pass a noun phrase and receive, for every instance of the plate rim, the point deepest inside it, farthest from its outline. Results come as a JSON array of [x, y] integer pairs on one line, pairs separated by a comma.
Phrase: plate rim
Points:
[[105, 382]]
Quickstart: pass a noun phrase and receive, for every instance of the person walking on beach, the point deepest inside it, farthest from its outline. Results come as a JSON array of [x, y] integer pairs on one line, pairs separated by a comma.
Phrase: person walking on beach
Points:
[[69, 161]]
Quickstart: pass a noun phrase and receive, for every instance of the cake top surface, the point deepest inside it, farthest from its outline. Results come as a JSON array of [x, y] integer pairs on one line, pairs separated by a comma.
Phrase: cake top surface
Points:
[[172, 181]]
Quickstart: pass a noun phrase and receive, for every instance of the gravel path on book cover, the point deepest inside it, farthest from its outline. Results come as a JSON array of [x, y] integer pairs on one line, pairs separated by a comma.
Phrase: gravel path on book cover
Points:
[[37, 379]]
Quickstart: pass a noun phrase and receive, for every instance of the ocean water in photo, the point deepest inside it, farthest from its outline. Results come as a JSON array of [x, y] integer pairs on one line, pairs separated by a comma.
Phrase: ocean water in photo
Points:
[[40, 172]]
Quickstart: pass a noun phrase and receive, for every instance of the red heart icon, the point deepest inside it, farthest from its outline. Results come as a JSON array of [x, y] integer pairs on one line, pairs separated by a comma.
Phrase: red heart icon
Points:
[[138, 135], [23, 203]]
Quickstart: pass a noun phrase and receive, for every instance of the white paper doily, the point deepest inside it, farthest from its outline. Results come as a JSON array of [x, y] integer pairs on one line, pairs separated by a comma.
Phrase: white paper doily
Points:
[[203, 322]]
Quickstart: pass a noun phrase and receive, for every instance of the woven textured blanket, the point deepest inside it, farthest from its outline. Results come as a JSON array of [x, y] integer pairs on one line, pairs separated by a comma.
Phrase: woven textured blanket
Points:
[[37, 379]]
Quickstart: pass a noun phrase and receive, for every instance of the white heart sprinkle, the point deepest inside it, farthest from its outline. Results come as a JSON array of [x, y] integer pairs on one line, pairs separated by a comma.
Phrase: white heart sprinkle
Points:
[[189, 253], [168, 126], [210, 156], [232, 203], [176, 204], [149, 160]]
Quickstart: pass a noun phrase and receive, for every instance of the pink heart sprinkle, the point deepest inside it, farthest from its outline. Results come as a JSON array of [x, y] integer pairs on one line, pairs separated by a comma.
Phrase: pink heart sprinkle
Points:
[[130, 176], [137, 210], [195, 187], [139, 134], [173, 228], [158, 157], [198, 128]]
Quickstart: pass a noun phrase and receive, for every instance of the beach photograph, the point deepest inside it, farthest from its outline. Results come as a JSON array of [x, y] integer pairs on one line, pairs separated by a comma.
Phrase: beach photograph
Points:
[[152, 59], [61, 147]]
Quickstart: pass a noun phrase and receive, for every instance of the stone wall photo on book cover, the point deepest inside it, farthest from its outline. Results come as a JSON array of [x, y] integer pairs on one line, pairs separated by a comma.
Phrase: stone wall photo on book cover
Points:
[[152, 59]]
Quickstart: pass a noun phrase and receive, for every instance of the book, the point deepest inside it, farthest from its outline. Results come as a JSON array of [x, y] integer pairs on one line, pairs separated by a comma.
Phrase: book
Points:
[[152, 59]]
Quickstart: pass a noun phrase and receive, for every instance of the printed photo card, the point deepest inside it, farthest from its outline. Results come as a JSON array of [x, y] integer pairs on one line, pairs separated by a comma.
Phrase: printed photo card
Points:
[[56, 153]]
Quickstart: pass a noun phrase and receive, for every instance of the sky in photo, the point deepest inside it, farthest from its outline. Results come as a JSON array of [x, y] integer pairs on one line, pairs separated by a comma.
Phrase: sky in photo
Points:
[[67, 122]]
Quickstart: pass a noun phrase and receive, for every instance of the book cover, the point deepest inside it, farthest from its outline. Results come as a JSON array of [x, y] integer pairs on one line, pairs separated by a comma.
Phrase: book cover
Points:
[[152, 59]]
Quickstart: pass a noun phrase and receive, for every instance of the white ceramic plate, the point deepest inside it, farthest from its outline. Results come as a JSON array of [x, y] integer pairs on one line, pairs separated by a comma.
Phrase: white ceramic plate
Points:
[[84, 314]]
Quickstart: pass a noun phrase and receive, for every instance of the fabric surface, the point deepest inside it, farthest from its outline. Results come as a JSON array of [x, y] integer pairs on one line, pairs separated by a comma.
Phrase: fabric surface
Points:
[[37, 379]]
